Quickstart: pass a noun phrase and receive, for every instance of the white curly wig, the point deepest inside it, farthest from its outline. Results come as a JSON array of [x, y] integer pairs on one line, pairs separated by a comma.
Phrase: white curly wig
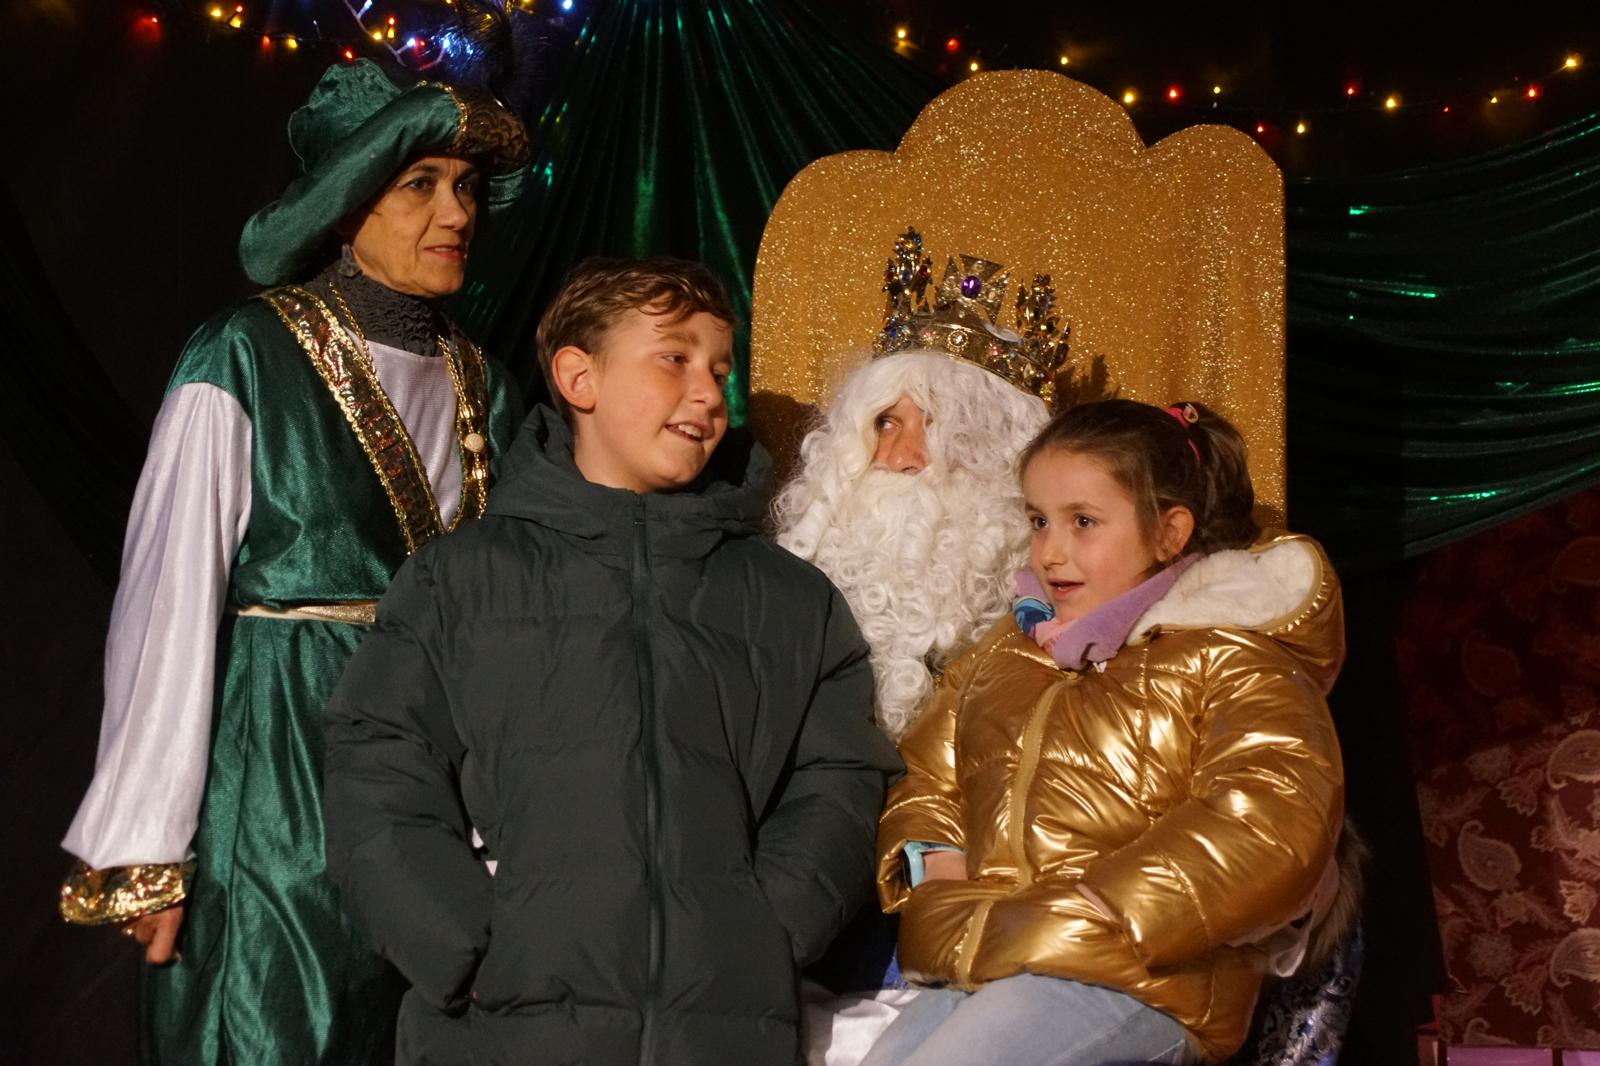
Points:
[[926, 560]]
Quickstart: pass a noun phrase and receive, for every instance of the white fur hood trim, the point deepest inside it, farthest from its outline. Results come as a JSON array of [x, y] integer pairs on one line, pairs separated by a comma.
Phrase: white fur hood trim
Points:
[[1245, 589]]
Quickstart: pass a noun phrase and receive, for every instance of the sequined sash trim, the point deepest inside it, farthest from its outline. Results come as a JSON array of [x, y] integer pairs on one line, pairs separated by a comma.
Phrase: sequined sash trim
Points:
[[354, 385], [118, 893]]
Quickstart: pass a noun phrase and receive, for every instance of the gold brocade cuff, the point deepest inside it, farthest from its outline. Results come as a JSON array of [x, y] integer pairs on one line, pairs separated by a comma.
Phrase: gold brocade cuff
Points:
[[118, 893]]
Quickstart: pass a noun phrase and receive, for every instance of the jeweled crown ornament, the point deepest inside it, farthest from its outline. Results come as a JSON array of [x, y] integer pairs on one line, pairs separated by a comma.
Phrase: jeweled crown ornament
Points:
[[961, 319]]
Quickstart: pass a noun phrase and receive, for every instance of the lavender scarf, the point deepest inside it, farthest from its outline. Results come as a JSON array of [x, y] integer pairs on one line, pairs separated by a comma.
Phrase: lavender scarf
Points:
[[1098, 635]]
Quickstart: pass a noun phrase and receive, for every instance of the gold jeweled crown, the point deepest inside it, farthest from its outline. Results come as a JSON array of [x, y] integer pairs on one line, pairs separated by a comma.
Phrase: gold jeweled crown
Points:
[[961, 320]]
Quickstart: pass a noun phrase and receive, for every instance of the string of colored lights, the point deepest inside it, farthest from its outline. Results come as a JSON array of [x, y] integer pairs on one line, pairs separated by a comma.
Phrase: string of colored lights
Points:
[[1354, 98], [422, 50], [417, 50]]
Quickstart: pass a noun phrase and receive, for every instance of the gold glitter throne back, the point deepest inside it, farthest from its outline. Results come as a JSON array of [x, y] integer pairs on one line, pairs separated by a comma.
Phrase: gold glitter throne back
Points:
[[1167, 261]]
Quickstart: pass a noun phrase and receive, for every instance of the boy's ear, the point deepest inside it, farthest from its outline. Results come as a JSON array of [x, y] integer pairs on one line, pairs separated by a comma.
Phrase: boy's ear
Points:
[[1177, 526], [573, 371]]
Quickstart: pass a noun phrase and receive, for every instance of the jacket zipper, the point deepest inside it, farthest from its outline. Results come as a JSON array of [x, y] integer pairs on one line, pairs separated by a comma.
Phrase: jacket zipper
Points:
[[1017, 807], [1027, 766], [652, 777], [969, 944]]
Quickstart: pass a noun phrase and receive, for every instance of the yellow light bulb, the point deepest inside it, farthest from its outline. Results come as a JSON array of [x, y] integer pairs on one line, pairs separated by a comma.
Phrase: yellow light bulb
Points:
[[1065, 61], [900, 34], [1572, 62], [1216, 90], [377, 35], [1129, 97], [1300, 127], [217, 13], [973, 66], [1391, 102], [1494, 99], [237, 21], [291, 43]]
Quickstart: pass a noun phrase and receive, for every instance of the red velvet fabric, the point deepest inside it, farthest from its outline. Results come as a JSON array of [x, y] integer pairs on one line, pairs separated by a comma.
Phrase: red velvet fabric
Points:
[[1499, 658]]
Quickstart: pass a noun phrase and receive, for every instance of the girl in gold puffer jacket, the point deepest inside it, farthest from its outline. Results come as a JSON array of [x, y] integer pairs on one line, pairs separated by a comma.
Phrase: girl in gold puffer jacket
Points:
[[1121, 807]]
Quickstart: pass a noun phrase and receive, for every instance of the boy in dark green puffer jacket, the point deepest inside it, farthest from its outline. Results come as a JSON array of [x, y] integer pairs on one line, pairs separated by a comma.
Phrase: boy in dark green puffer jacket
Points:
[[659, 723]]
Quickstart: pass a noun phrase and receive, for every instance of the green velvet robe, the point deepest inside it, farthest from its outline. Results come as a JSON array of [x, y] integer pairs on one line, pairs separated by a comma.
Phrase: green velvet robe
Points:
[[272, 971]]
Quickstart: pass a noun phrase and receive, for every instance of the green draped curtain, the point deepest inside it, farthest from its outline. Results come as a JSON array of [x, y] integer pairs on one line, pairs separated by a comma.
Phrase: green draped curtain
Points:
[[1444, 343], [1444, 371], [673, 128]]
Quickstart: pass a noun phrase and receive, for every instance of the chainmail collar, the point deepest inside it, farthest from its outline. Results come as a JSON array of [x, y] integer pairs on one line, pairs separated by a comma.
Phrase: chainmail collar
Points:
[[399, 320]]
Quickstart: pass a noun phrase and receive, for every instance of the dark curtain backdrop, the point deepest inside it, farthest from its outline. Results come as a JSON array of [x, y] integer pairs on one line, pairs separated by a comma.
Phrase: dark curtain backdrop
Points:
[[1444, 370], [1440, 360]]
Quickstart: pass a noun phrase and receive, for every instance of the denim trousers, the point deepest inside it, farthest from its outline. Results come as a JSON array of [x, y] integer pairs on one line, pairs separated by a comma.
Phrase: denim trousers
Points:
[[1029, 1020]]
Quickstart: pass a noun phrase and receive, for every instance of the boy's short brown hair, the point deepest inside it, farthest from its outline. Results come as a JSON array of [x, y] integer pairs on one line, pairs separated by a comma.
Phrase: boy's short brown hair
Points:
[[599, 291]]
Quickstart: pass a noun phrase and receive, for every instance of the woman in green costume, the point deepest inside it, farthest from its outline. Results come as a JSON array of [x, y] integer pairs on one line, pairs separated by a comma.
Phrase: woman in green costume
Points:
[[311, 439]]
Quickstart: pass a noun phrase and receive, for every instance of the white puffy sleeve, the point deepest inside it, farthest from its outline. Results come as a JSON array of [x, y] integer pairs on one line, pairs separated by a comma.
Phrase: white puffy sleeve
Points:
[[189, 517]]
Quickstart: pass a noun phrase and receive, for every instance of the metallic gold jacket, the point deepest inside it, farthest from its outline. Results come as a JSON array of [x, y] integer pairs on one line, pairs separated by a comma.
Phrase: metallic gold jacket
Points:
[[1139, 826]]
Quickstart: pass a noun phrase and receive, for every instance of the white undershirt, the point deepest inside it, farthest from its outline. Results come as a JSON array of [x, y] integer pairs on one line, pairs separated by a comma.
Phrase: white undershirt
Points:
[[190, 515]]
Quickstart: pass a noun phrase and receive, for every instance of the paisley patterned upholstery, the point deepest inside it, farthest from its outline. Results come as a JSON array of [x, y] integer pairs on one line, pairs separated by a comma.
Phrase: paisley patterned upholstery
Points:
[[1500, 663]]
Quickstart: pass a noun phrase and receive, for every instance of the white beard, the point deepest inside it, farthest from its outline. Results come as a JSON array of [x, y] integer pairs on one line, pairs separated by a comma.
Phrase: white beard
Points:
[[926, 563], [924, 560]]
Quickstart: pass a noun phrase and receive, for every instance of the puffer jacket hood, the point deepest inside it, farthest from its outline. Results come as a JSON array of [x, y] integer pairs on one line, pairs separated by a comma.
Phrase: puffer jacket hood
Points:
[[1282, 587], [1141, 823], [539, 482]]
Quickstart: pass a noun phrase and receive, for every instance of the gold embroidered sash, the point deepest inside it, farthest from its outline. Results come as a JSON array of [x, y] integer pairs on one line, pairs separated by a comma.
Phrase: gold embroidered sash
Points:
[[346, 369]]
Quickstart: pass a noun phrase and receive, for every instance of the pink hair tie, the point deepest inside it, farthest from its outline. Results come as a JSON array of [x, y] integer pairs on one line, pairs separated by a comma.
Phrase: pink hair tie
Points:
[[1187, 416]]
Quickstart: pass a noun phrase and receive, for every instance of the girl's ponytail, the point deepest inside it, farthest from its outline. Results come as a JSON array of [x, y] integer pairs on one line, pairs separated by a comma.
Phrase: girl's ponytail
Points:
[[1224, 517]]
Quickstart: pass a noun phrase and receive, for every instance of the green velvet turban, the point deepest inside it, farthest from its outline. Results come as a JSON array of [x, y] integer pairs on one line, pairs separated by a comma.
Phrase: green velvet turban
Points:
[[358, 131]]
